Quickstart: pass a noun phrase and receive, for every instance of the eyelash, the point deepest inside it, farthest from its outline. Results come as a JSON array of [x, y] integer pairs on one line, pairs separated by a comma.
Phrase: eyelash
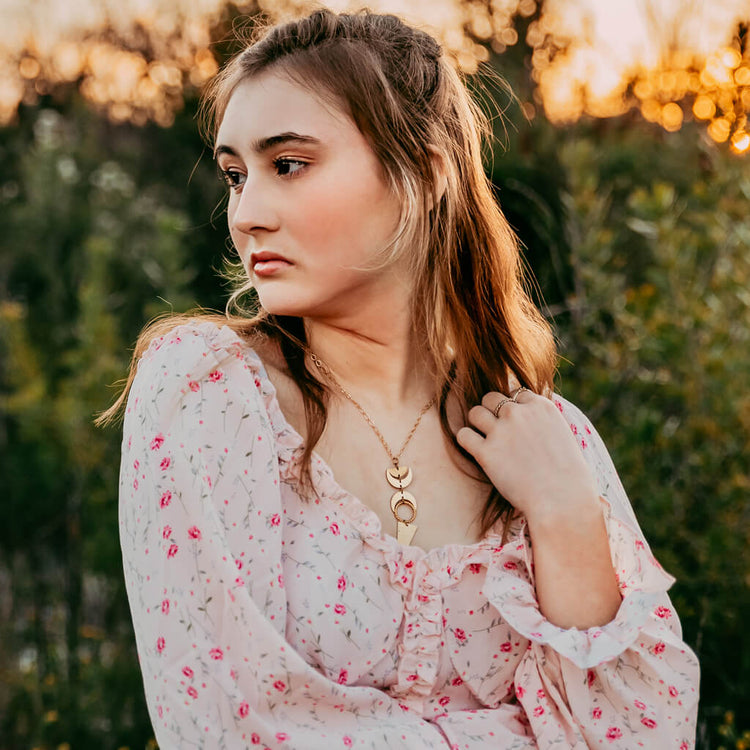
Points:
[[233, 177]]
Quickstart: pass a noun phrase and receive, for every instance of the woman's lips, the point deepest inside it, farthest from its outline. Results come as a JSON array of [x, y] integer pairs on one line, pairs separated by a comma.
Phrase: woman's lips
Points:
[[270, 267]]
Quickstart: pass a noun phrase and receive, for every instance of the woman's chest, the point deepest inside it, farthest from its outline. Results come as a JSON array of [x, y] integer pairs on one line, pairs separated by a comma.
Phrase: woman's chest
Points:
[[439, 499], [364, 611]]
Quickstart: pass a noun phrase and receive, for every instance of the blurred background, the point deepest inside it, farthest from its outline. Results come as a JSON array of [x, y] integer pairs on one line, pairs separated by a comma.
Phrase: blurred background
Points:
[[623, 162]]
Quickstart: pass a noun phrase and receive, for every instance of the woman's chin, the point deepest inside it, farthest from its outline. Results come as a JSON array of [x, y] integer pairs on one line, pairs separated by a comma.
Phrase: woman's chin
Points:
[[276, 304]]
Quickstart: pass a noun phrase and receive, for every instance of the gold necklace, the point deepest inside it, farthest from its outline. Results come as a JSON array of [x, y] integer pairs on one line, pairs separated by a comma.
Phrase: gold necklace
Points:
[[403, 503]]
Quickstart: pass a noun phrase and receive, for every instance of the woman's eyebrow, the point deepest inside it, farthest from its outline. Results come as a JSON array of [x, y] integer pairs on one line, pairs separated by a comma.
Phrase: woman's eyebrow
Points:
[[261, 145]]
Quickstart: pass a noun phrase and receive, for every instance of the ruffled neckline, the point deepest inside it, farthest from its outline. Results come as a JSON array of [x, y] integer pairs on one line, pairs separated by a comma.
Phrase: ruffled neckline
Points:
[[290, 445]]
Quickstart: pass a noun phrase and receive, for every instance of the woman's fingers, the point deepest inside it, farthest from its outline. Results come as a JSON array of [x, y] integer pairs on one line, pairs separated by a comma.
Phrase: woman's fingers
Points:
[[470, 440], [481, 418]]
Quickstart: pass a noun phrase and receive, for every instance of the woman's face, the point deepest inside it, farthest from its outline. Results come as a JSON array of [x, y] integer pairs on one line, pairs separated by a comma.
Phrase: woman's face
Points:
[[308, 204]]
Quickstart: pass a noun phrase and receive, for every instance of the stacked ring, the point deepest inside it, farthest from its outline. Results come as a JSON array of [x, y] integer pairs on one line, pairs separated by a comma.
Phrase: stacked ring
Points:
[[496, 410], [513, 400]]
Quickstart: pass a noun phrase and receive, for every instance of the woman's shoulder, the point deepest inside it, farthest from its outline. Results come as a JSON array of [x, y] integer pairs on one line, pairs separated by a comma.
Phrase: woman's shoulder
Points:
[[191, 354]]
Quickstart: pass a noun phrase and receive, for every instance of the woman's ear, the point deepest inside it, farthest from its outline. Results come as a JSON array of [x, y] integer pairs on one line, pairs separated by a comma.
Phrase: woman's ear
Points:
[[440, 175]]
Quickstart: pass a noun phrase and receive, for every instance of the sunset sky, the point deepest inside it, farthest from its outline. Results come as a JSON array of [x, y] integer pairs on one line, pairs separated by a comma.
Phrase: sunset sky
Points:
[[607, 46]]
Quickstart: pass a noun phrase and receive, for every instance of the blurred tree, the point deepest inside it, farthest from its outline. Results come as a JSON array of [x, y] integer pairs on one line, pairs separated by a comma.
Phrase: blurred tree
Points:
[[656, 331], [639, 239], [96, 240]]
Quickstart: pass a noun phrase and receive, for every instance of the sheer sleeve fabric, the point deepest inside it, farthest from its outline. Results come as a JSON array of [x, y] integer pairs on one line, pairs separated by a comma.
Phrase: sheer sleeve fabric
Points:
[[630, 683], [201, 541]]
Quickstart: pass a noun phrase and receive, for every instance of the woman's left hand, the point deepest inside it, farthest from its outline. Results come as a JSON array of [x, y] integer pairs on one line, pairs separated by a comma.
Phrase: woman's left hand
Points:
[[530, 455]]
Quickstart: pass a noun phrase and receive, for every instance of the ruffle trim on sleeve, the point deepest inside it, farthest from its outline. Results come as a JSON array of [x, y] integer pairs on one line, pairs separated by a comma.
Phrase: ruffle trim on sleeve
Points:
[[509, 587]]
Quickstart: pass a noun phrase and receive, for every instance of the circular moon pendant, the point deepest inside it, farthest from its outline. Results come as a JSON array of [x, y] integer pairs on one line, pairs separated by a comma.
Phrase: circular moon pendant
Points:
[[398, 477], [404, 500]]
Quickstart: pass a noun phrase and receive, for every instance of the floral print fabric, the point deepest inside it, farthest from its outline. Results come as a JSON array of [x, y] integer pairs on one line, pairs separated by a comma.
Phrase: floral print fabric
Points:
[[263, 620]]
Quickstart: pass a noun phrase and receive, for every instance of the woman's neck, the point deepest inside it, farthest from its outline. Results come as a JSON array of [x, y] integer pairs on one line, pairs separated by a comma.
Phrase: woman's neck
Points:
[[381, 363]]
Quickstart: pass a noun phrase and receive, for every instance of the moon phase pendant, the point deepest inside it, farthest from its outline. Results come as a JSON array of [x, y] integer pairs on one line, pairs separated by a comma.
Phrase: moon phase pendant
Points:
[[398, 476], [404, 509]]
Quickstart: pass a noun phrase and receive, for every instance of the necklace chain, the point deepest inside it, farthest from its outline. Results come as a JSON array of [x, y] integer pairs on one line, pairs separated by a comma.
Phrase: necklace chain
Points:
[[395, 458]]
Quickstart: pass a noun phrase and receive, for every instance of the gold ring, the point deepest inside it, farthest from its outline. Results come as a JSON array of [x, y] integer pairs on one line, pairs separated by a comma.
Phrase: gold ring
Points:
[[496, 410], [518, 393]]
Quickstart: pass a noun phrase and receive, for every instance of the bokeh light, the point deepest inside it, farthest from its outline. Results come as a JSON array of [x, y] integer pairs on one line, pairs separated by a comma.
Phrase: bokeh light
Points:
[[669, 60]]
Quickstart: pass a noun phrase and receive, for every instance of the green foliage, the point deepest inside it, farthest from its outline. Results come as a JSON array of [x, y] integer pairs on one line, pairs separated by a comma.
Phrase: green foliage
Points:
[[93, 246], [639, 240], [657, 330]]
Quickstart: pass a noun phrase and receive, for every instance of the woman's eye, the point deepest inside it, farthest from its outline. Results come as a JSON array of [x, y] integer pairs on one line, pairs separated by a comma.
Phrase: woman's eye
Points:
[[286, 167], [232, 177]]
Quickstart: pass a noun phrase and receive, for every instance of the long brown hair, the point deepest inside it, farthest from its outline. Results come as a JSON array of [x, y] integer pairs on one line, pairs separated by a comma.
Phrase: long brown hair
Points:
[[469, 303]]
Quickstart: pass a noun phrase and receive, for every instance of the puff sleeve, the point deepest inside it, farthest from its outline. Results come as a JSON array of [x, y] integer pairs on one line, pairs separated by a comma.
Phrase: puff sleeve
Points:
[[630, 683], [201, 541]]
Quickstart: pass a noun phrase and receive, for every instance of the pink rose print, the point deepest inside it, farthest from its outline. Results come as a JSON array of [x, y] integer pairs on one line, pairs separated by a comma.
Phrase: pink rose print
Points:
[[166, 532], [475, 568], [540, 694], [640, 704], [160, 644], [343, 677], [456, 681], [520, 691], [590, 677], [216, 654], [243, 710], [216, 376], [559, 406], [347, 740], [255, 738], [444, 701], [596, 713], [275, 519], [192, 692], [341, 583], [506, 647], [165, 499], [280, 685], [673, 691], [334, 527], [659, 647], [165, 607], [460, 634], [613, 733], [281, 736], [188, 672], [194, 532], [650, 723], [157, 442], [339, 609], [664, 612], [136, 464], [574, 429], [584, 444], [172, 551], [684, 746], [193, 386], [165, 462], [539, 711], [510, 565]]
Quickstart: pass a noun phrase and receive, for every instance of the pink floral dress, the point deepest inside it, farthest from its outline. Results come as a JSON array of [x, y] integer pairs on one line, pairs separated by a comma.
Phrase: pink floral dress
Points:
[[266, 621]]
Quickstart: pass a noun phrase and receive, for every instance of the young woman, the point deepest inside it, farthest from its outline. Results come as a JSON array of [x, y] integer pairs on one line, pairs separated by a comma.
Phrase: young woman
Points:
[[361, 517]]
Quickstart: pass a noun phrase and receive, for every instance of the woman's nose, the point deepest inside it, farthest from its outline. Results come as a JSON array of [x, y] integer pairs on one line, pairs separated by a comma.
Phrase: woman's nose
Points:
[[251, 210]]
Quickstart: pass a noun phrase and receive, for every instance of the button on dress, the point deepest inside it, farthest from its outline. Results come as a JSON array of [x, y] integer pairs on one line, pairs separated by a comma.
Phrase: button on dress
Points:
[[265, 620]]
